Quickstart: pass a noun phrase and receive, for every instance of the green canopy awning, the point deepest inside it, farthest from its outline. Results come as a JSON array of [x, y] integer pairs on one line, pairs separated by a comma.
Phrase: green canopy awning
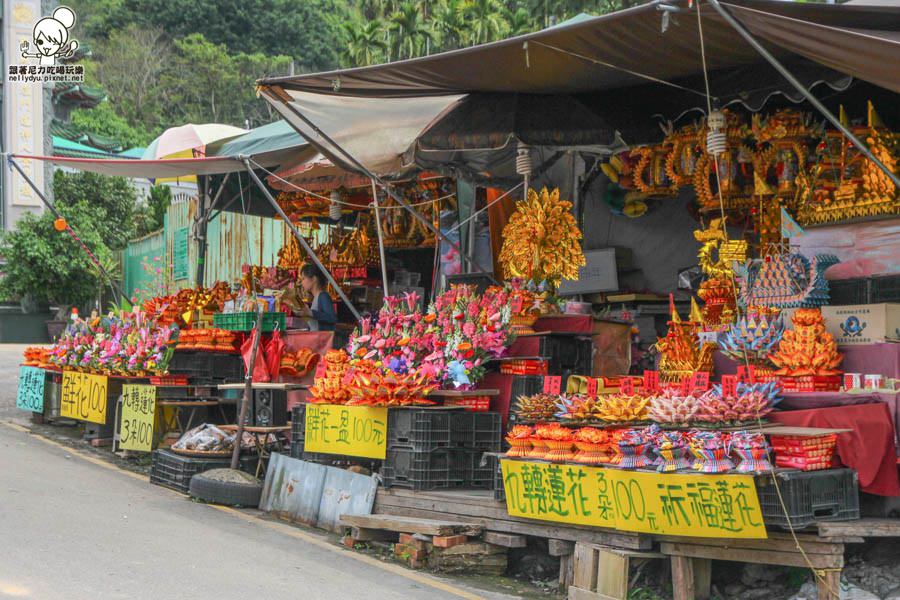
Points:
[[275, 144]]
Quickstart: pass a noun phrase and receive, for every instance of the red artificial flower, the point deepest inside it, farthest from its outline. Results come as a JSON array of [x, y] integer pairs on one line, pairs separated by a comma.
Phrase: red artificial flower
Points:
[[469, 353]]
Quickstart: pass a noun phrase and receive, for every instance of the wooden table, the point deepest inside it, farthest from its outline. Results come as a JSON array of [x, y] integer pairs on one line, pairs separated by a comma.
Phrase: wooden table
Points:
[[264, 386], [261, 441]]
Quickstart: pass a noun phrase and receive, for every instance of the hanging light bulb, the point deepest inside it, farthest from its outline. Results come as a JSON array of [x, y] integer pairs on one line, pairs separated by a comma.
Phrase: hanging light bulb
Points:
[[716, 138], [334, 210], [523, 159]]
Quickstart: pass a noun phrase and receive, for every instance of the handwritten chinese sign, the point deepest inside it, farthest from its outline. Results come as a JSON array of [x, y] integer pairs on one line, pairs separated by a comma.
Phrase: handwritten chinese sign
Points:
[[348, 430], [714, 506], [30, 395], [84, 397], [138, 413]]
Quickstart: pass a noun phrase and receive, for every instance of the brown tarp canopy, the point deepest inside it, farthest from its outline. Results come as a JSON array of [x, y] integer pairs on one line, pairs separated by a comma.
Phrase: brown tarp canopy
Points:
[[629, 47]]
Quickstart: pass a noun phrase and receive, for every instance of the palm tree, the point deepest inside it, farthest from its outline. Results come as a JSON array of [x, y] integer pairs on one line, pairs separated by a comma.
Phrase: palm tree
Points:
[[519, 22], [365, 43], [485, 20], [410, 29], [450, 22]]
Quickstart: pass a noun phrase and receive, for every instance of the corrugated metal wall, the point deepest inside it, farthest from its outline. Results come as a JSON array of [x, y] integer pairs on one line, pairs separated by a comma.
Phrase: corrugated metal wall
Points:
[[234, 240]]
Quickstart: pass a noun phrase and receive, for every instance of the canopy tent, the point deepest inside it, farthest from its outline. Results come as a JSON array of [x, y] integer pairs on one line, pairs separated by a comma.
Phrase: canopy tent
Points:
[[619, 66], [272, 145]]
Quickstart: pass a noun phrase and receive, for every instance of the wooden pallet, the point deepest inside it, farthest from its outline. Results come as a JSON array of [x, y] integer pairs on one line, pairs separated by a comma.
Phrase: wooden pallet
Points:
[[402, 524]]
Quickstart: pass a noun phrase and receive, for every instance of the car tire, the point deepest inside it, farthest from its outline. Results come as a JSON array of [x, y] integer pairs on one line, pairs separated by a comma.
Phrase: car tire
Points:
[[228, 487]]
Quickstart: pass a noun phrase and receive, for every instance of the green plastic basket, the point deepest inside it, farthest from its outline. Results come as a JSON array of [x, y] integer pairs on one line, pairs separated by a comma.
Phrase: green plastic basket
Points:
[[245, 321]]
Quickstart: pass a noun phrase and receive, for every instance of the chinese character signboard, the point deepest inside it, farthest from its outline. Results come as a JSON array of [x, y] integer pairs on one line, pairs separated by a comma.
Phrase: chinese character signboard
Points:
[[348, 430], [138, 412], [30, 395], [180, 254], [84, 397], [714, 506]]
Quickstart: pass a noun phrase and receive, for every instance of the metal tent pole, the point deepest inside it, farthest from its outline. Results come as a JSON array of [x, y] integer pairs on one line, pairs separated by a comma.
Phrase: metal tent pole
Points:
[[384, 277], [802, 89], [301, 239], [112, 284], [365, 171], [203, 224]]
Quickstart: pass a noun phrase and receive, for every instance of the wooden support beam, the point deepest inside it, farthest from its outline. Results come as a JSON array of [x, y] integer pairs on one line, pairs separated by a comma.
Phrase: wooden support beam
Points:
[[560, 547], [828, 585], [586, 563], [411, 525], [766, 557], [861, 528], [566, 571], [361, 534], [509, 540]]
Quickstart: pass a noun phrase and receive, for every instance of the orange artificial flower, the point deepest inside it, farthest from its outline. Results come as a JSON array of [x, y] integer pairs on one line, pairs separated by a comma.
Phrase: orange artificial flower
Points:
[[464, 346]]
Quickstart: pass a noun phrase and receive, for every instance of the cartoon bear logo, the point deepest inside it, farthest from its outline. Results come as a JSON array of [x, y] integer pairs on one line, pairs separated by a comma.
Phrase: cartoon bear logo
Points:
[[51, 36]]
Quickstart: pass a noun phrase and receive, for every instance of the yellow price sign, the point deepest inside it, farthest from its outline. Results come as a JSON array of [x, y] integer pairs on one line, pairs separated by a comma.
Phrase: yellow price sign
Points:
[[84, 396], [348, 430], [701, 505], [138, 414]]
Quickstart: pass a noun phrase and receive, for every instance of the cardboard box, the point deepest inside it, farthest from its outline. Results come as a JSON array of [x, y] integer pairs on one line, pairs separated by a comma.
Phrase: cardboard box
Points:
[[859, 324]]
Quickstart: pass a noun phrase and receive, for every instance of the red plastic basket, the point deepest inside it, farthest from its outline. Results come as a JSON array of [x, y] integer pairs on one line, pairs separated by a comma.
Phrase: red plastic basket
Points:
[[811, 383], [169, 380], [471, 403], [525, 367]]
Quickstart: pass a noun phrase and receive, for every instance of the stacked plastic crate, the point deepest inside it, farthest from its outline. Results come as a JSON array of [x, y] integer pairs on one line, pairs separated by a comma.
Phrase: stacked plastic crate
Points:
[[438, 449]]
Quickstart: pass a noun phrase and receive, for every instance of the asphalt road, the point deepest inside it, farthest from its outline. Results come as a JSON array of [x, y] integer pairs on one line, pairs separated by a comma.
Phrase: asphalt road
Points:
[[73, 527]]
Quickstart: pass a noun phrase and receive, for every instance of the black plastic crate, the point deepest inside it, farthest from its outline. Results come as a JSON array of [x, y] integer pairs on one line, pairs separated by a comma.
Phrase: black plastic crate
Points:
[[435, 469], [218, 366], [526, 385], [173, 470], [333, 460], [842, 292], [567, 354], [420, 428], [499, 491], [298, 424], [227, 367], [884, 289], [809, 496]]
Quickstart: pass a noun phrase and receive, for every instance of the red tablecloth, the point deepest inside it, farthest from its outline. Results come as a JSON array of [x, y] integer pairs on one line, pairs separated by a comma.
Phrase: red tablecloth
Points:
[[869, 448]]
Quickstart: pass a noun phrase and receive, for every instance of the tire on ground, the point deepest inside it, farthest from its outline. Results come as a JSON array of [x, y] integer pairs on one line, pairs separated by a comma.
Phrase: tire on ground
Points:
[[228, 487]]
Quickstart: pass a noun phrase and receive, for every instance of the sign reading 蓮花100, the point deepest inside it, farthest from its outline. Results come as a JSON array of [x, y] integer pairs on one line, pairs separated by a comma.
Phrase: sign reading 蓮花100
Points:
[[138, 413], [30, 394], [695, 505], [347, 430]]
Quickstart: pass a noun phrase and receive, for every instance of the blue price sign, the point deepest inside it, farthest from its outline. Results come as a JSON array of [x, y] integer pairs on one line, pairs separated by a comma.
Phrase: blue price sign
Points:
[[30, 395]]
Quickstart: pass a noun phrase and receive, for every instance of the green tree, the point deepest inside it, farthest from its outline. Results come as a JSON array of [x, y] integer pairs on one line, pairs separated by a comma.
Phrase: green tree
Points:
[[518, 22], [109, 201], [450, 22], [365, 43], [486, 22], [104, 120], [50, 266], [411, 30], [150, 216]]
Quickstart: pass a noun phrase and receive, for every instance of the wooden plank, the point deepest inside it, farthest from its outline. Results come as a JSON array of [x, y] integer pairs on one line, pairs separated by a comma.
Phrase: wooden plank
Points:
[[828, 585], [361, 534], [861, 528], [411, 524], [560, 547], [786, 559], [508, 540], [810, 544], [805, 431], [683, 586], [586, 563], [612, 574], [576, 593], [594, 535], [702, 578], [566, 571]]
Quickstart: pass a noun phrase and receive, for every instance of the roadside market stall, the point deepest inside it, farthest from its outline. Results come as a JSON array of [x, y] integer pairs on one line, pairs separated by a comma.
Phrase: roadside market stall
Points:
[[510, 411]]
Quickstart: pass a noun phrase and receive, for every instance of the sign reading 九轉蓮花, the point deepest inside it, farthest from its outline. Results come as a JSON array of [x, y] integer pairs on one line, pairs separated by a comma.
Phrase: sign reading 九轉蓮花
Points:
[[348, 430], [84, 397], [138, 413], [713, 506], [30, 394]]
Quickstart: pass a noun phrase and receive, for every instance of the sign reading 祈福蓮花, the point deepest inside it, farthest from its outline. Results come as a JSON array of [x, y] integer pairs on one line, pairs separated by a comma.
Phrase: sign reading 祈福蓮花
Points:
[[702, 505], [347, 430]]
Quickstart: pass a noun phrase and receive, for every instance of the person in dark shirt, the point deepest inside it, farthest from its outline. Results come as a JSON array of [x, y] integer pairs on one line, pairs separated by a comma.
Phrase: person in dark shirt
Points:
[[322, 308]]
